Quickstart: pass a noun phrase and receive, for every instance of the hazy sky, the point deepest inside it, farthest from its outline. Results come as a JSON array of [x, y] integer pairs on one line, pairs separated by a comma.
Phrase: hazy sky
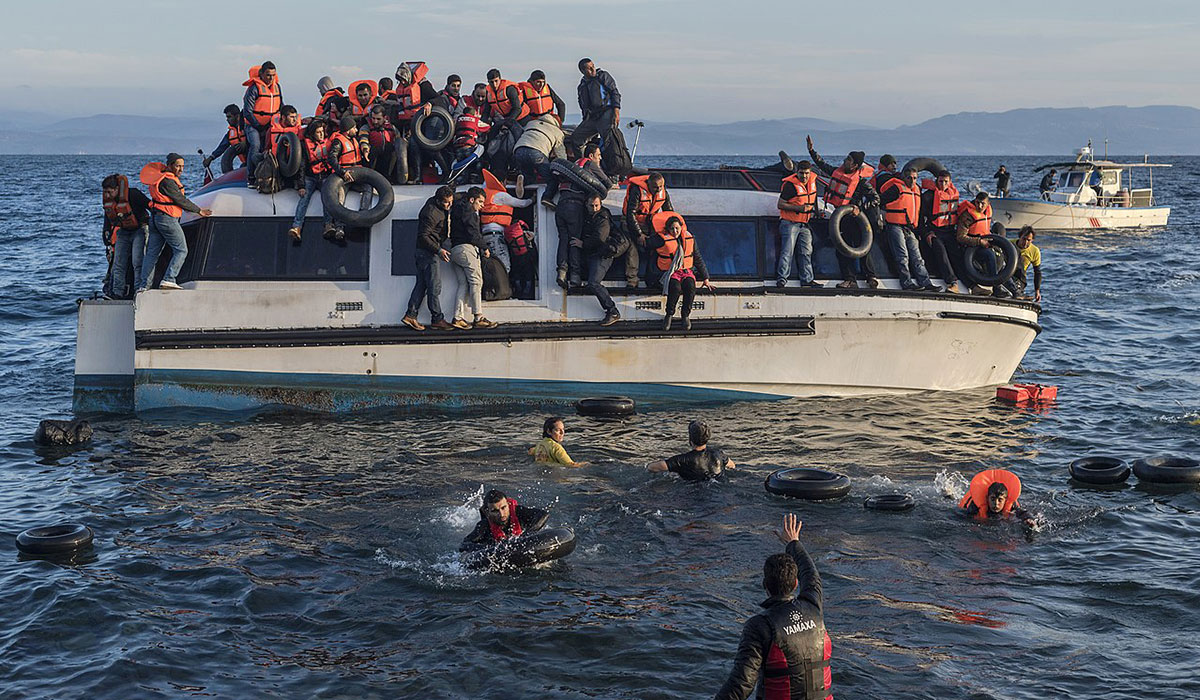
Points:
[[878, 63]]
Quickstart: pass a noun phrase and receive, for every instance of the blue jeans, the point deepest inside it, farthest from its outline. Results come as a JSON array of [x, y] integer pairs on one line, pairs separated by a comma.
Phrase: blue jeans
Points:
[[164, 230], [906, 251], [532, 164], [254, 153], [128, 253], [429, 286], [597, 269], [311, 186], [792, 233]]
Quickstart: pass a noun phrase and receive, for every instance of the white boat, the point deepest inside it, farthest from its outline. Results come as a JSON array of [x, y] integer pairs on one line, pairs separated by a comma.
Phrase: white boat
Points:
[[1089, 194], [261, 322]]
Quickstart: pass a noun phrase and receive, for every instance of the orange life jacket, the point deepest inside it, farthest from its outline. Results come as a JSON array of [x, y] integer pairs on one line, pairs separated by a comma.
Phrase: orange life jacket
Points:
[[357, 109], [237, 135], [648, 204], [903, 210], [409, 96], [977, 493], [277, 129], [666, 252], [537, 102], [317, 152], [351, 155], [980, 220], [117, 209], [493, 213], [499, 102], [323, 105], [806, 197], [269, 100], [842, 185], [944, 211], [152, 175], [519, 238]]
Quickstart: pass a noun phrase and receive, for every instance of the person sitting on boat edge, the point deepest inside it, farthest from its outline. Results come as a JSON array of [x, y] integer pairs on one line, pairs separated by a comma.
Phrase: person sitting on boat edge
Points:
[[413, 94], [467, 245], [939, 219], [233, 142], [785, 650], [501, 518], [993, 493], [973, 227], [328, 91], [316, 167], [849, 185], [167, 204], [1030, 255], [701, 462], [126, 225], [602, 243], [549, 449], [645, 196], [901, 200], [1048, 185], [378, 139], [344, 153], [679, 265], [541, 99], [433, 230], [1003, 181], [797, 203]]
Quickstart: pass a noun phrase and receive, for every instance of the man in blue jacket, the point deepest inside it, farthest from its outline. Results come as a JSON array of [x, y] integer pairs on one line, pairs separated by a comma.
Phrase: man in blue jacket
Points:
[[599, 104]]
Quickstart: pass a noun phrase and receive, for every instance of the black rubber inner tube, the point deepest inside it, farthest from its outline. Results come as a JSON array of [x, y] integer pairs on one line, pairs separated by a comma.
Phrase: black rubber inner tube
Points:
[[890, 502], [435, 130], [578, 176], [291, 156], [1003, 272], [1099, 470], [605, 406], [333, 197], [55, 539], [844, 216], [1167, 469], [809, 484], [929, 165], [534, 548]]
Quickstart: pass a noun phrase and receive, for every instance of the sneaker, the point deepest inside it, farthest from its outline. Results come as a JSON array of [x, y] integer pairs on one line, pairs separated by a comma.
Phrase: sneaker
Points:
[[910, 286], [339, 235], [576, 281], [631, 284], [329, 233], [482, 322], [610, 319], [666, 323], [251, 184], [294, 232], [411, 322], [549, 203], [441, 325], [786, 161], [166, 284], [979, 290], [781, 283], [813, 285], [848, 284], [460, 324], [561, 279], [931, 287], [952, 288], [687, 323], [873, 283]]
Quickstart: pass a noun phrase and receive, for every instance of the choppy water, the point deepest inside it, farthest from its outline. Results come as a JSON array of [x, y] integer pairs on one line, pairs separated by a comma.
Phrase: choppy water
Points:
[[295, 556]]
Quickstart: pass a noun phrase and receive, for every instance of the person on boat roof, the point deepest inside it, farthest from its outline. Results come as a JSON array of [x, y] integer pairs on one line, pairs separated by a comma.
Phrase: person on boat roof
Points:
[[993, 493], [233, 143], [849, 185], [701, 462], [797, 203], [887, 170], [901, 200], [413, 94], [549, 449], [433, 230], [377, 139], [1048, 184], [501, 518], [329, 92], [344, 153], [1003, 181], [785, 649], [602, 243], [451, 95], [540, 99], [126, 225], [260, 104], [599, 105], [167, 204], [316, 142], [939, 219]]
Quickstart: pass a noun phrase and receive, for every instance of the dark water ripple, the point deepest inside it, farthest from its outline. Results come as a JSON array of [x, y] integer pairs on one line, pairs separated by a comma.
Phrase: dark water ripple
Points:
[[287, 555]]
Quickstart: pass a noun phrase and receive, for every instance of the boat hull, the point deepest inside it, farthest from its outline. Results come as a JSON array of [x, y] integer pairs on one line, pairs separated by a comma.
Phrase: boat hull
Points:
[[1057, 216]]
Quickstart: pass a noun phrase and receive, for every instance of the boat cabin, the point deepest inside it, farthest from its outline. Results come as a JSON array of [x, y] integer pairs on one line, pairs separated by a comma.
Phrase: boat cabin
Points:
[[1103, 183]]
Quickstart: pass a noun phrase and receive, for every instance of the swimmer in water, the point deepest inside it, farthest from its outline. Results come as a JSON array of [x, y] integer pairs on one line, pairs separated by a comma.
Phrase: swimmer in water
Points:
[[993, 494], [701, 463], [549, 449], [500, 518]]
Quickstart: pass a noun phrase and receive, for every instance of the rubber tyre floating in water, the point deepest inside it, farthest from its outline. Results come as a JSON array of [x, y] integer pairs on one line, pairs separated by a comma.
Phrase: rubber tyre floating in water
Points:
[[433, 131], [333, 196], [929, 165], [606, 406], [585, 180], [839, 240], [290, 154], [891, 502], [1099, 470], [526, 550], [1005, 246], [55, 539], [1167, 469], [809, 484]]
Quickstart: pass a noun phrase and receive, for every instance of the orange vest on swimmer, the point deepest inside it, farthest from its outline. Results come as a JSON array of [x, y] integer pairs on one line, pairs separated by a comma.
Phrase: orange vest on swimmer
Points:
[[648, 204], [806, 198], [903, 210], [269, 100], [409, 96], [977, 493], [351, 155], [493, 213], [944, 211], [537, 102], [117, 209], [499, 102], [842, 185], [980, 220], [666, 253], [358, 109], [317, 152], [152, 175]]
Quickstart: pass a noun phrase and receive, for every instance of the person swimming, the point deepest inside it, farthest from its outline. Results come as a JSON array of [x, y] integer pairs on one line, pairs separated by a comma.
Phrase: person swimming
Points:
[[501, 518], [993, 494], [549, 449]]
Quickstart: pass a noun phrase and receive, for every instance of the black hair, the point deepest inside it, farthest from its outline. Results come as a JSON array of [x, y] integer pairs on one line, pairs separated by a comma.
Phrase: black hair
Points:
[[672, 220], [110, 182], [537, 75], [657, 177], [590, 148], [376, 109], [385, 81], [286, 110], [942, 173], [493, 74], [172, 157], [232, 109], [341, 103], [267, 65], [1027, 229], [980, 196], [444, 192], [362, 86], [698, 432], [493, 496], [310, 131], [479, 85], [453, 78], [595, 196], [476, 192], [779, 574], [887, 159], [912, 169], [583, 62], [804, 165], [548, 424], [997, 489]]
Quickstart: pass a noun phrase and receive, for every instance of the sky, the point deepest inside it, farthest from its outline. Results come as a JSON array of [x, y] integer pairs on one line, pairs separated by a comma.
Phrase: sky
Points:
[[877, 63]]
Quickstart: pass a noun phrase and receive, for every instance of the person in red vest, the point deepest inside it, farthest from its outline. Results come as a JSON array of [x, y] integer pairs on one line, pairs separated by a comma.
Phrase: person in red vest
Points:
[[939, 218], [850, 185], [167, 204], [413, 94], [262, 101], [501, 518], [344, 153], [329, 92], [126, 224], [797, 203], [993, 493], [645, 196], [785, 649], [379, 140], [901, 200], [451, 95], [541, 99], [316, 167], [972, 229], [680, 265], [233, 143]]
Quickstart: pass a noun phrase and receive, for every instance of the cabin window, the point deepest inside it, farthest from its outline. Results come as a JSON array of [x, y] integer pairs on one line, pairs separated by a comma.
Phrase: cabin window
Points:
[[1070, 180], [730, 247], [260, 249], [824, 257]]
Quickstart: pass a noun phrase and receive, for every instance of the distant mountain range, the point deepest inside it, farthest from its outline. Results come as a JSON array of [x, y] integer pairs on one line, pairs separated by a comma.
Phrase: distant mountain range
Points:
[[1161, 130]]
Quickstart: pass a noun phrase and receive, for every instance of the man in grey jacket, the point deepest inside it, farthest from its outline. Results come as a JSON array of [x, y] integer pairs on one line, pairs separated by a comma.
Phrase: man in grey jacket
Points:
[[541, 142]]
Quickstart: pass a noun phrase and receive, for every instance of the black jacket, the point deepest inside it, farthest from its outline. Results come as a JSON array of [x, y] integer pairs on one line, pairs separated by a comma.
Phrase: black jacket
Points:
[[634, 225], [598, 94], [139, 203], [531, 519], [464, 225], [797, 627], [597, 228], [864, 196], [433, 226], [1002, 179]]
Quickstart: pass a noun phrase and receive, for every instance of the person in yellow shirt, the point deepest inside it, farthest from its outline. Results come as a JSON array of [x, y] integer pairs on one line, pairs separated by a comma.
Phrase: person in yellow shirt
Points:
[[1029, 255], [549, 449]]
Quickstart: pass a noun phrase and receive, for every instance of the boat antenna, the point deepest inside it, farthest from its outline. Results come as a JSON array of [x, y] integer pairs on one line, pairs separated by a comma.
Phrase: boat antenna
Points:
[[638, 124]]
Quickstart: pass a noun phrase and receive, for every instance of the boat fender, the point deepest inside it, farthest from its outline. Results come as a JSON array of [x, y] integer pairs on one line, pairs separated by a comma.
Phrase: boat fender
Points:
[[586, 181], [891, 502], [839, 240], [1099, 470], [929, 165], [809, 484], [606, 406], [1003, 274], [55, 539], [333, 197], [433, 131], [1167, 469], [62, 432], [291, 156], [534, 548]]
